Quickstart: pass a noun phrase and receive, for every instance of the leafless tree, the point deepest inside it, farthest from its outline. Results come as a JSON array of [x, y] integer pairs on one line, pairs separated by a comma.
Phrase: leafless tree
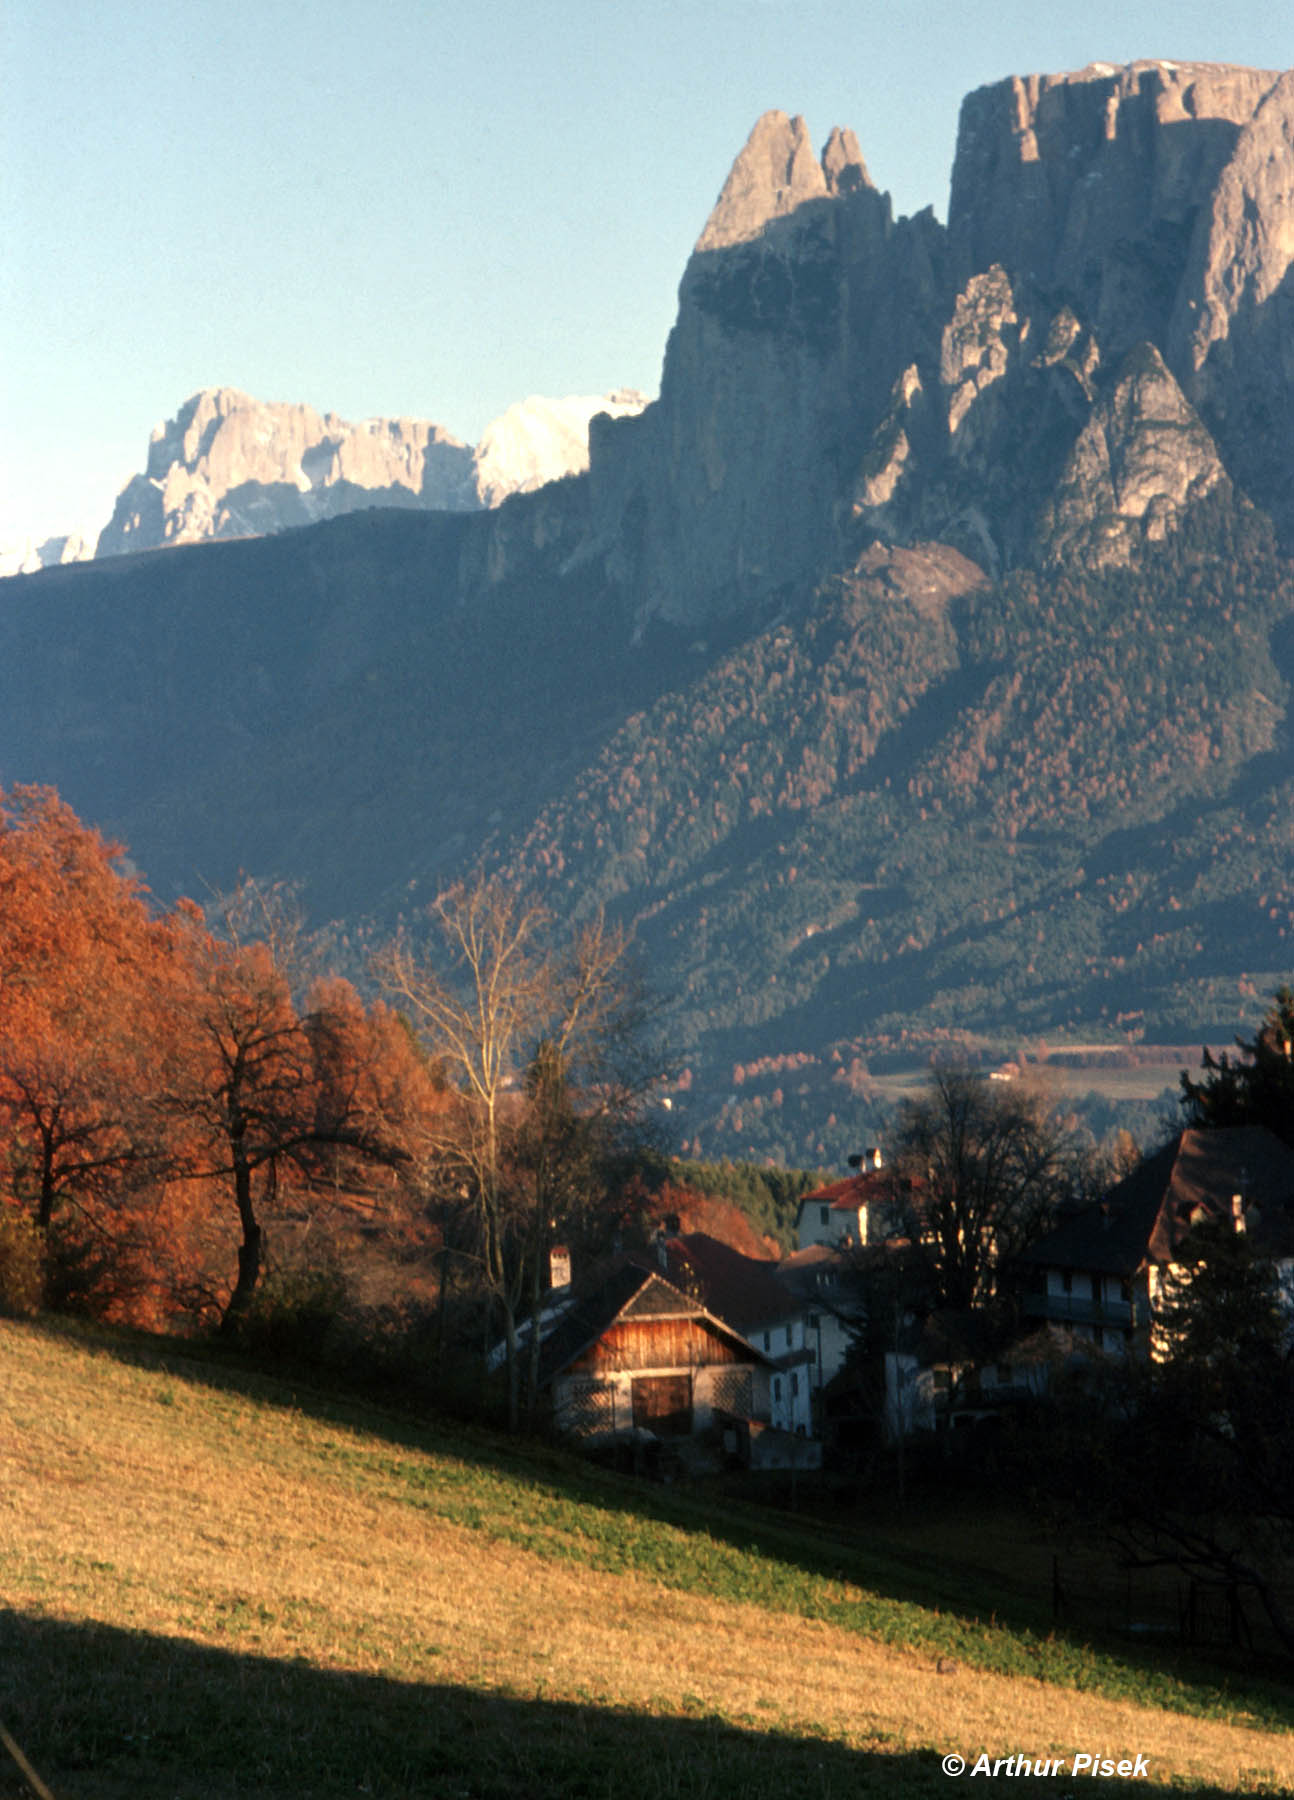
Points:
[[540, 1043], [985, 1164]]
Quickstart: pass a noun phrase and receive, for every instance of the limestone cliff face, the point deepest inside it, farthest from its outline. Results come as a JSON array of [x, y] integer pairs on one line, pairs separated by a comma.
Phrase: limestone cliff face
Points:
[[44, 553], [538, 440], [800, 306], [1231, 340], [1104, 331], [1142, 459], [1089, 184], [231, 466], [1158, 199]]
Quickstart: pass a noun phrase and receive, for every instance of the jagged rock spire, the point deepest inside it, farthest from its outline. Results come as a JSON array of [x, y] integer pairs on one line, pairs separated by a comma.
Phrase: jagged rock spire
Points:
[[775, 172], [842, 162]]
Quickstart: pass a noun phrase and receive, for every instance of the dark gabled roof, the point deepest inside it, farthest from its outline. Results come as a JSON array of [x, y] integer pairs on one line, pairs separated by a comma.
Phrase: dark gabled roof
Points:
[[819, 1268], [630, 1290], [1112, 1236], [1211, 1167], [744, 1290], [810, 1258], [588, 1316], [1145, 1217]]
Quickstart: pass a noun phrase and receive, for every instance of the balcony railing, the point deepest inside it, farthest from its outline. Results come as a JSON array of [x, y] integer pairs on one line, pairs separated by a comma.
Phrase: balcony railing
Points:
[[1072, 1309]]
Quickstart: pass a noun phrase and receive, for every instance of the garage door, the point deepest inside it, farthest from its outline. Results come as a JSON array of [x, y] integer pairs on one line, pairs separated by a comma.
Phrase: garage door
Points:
[[663, 1403]]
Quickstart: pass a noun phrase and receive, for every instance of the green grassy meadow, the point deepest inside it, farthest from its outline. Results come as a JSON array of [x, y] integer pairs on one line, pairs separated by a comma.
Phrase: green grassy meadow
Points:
[[216, 1583]]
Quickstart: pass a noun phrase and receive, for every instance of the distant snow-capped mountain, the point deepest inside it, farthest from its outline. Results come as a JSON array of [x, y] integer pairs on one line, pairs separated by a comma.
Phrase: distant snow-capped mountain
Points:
[[44, 553], [538, 440]]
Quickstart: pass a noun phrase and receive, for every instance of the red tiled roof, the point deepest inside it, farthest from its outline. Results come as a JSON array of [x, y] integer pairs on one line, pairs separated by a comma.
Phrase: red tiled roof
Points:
[[851, 1193]]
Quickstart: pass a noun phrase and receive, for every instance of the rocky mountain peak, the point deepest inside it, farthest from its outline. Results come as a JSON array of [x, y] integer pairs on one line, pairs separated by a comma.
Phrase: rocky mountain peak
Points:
[[1141, 460], [842, 162], [1091, 182], [539, 440], [229, 465], [1103, 327], [776, 171]]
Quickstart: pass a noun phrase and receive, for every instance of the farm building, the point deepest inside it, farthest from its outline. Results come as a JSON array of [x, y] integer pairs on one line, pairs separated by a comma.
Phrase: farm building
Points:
[[635, 1353]]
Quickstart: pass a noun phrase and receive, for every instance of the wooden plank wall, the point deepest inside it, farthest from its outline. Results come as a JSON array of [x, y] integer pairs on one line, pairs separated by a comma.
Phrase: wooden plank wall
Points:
[[659, 1344]]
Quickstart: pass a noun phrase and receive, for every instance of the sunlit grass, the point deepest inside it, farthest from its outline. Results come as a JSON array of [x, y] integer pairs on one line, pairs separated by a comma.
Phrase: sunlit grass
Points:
[[236, 1545]]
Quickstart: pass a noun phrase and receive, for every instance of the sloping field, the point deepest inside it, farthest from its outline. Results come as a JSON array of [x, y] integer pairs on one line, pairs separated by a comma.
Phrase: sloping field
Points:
[[213, 1586]]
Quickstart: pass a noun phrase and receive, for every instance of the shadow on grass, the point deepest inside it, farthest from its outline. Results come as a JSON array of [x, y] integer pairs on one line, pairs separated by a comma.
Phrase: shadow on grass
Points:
[[951, 1590], [104, 1714]]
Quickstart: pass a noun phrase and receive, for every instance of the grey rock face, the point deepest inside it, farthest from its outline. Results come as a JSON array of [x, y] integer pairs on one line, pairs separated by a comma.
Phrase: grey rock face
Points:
[[1107, 323], [1231, 341], [797, 313], [1140, 461], [231, 466], [47, 553], [976, 346], [1089, 183], [1159, 199], [774, 175], [835, 375]]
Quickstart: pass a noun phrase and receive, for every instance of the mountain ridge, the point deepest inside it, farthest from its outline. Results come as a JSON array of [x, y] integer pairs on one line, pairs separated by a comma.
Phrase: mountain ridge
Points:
[[228, 465]]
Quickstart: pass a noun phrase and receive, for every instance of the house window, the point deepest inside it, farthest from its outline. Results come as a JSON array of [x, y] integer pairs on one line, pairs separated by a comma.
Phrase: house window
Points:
[[768, 1342], [788, 1337], [815, 1323], [777, 1387], [824, 1216], [795, 1384]]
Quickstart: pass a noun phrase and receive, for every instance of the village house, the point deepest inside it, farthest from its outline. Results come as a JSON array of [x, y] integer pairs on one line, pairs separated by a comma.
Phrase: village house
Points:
[[842, 1215], [1097, 1277], [748, 1293]]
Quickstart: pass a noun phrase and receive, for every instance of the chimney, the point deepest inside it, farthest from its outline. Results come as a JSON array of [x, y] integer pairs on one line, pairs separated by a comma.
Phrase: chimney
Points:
[[869, 1159], [559, 1266]]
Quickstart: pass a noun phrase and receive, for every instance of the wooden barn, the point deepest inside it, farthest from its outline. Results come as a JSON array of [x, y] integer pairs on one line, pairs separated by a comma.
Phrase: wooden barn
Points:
[[637, 1354]]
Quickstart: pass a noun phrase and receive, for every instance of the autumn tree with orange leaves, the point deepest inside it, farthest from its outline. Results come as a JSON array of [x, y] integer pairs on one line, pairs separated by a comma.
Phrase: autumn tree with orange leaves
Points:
[[160, 1087], [263, 1099], [80, 1012]]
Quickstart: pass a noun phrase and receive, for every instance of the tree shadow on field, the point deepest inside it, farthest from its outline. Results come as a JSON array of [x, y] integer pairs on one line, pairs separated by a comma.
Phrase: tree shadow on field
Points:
[[950, 1589], [104, 1714]]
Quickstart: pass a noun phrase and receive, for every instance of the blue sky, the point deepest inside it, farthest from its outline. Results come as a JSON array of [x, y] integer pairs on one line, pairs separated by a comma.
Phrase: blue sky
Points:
[[403, 206]]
